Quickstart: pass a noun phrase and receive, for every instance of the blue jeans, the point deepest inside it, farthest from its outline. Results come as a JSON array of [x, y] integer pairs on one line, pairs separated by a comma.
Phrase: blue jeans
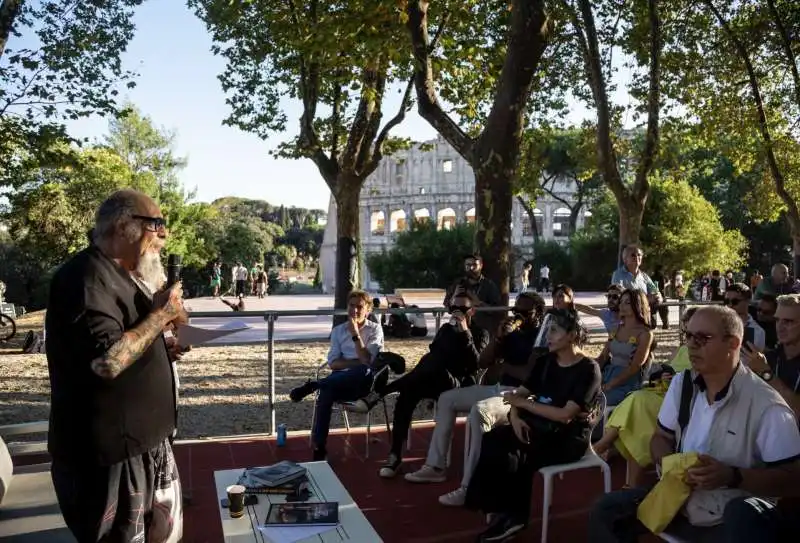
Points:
[[618, 393], [613, 519], [340, 386]]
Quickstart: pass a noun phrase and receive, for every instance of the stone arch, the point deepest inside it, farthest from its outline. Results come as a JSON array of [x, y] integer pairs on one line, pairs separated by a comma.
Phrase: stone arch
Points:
[[377, 223], [397, 221], [422, 215], [470, 216], [446, 219], [561, 222]]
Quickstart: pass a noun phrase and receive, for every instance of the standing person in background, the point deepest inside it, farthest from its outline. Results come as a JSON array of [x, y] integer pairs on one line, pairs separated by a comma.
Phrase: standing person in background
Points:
[[755, 280], [239, 275], [261, 282], [525, 277], [483, 290], [544, 278], [631, 276], [662, 282], [216, 278], [113, 388], [679, 290]]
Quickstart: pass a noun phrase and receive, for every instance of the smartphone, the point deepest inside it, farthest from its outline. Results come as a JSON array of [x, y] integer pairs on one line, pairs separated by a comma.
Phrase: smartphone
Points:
[[249, 499], [749, 335]]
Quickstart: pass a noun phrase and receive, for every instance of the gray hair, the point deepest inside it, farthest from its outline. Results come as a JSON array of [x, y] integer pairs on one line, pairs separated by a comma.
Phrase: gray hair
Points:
[[728, 319], [116, 213], [789, 300]]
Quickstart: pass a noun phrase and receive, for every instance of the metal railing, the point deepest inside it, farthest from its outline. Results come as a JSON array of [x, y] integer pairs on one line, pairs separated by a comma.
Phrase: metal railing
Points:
[[271, 318]]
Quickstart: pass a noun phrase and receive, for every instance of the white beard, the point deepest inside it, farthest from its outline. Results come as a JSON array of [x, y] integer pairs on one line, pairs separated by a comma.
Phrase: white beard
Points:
[[151, 272]]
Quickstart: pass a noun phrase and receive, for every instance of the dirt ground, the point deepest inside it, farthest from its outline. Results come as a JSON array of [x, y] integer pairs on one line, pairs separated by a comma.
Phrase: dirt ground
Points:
[[223, 390]]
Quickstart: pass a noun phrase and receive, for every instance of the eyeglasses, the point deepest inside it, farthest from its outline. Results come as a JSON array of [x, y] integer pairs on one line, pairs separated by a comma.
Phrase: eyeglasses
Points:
[[698, 338], [732, 301], [152, 224], [461, 308]]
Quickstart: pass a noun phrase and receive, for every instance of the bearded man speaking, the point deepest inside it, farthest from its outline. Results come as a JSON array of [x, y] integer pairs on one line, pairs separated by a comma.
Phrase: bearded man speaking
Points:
[[113, 407]]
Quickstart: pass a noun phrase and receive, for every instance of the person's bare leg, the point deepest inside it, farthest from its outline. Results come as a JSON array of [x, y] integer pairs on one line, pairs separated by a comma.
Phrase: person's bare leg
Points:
[[634, 474], [609, 437]]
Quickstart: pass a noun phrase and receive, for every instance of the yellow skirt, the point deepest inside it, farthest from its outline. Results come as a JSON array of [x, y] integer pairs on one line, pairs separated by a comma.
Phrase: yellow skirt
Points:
[[635, 419]]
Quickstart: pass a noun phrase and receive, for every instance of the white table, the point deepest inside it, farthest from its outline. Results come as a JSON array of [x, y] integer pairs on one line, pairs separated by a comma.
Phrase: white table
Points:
[[324, 487]]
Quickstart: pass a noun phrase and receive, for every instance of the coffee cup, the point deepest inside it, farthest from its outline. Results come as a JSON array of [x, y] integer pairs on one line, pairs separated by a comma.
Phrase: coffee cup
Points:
[[236, 500]]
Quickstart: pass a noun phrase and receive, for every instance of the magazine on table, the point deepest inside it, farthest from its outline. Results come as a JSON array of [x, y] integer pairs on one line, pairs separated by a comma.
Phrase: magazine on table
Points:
[[303, 514], [273, 476]]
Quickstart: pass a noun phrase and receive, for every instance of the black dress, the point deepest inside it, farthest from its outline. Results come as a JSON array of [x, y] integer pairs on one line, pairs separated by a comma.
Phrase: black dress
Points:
[[503, 478]]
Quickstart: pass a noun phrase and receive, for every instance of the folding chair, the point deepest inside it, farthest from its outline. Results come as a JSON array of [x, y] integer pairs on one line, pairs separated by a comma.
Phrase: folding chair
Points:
[[589, 460], [345, 407]]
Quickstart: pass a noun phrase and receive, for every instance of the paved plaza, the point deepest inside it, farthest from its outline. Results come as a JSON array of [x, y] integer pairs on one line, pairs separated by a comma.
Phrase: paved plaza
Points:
[[308, 328]]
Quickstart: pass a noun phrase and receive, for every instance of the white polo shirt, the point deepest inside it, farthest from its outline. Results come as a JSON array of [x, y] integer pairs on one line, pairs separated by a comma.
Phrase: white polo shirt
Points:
[[777, 440]]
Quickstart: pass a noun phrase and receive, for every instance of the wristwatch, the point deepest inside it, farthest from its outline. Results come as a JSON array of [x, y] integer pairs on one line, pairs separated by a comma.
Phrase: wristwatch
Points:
[[356, 338], [766, 375]]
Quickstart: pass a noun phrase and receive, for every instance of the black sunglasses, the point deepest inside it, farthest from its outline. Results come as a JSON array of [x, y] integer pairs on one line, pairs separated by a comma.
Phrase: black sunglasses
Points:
[[461, 308], [154, 223]]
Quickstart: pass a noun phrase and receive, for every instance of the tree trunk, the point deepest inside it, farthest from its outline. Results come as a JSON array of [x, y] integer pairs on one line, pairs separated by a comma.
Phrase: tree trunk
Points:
[[796, 256], [493, 198], [631, 213], [9, 9], [531, 217], [574, 211], [347, 241]]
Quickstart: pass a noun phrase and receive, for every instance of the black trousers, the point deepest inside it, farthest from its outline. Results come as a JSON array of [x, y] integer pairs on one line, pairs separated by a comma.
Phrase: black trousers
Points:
[[503, 478], [423, 382]]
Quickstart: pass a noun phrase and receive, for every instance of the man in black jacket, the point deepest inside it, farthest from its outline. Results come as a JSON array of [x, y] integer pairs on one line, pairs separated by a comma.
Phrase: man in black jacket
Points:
[[451, 362], [113, 408]]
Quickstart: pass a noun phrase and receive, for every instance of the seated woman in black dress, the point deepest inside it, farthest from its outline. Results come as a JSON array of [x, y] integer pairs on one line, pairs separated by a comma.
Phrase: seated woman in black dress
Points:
[[546, 428]]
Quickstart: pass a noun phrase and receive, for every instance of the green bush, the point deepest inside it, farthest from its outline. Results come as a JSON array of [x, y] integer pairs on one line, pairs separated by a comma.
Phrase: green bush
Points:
[[593, 260], [423, 257], [557, 259]]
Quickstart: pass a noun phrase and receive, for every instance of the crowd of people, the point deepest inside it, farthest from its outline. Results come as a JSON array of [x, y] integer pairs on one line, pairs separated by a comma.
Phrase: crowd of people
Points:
[[730, 395], [531, 396]]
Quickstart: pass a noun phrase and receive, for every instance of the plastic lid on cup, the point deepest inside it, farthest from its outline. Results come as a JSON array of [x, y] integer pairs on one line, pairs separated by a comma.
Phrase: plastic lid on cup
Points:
[[235, 489]]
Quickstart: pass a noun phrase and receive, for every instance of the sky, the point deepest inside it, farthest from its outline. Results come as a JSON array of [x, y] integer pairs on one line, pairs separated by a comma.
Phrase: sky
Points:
[[178, 88]]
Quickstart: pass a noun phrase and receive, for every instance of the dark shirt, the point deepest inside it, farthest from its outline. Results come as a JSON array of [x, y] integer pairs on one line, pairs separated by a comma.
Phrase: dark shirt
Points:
[[457, 352], [93, 302], [515, 350], [555, 385], [788, 371], [487, 292]]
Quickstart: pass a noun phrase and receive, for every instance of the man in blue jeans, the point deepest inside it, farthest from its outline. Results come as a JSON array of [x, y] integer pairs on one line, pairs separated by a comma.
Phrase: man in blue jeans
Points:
[[354, 346], [745, 434]]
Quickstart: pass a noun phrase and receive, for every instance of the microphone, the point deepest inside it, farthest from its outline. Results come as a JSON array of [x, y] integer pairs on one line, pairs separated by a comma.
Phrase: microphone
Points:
[[173, 269]]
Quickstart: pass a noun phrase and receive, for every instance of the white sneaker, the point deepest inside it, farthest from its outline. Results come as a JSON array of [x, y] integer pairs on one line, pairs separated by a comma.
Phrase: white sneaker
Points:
[[426, 474], [390, 467], [456, 498]]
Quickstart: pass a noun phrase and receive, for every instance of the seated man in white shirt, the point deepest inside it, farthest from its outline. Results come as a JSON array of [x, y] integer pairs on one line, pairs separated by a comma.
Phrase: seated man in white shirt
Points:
[[745, 433], [354, 346]]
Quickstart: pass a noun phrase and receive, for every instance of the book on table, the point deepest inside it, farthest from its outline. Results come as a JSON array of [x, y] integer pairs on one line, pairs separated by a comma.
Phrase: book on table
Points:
[[283, 477], [303, 514]]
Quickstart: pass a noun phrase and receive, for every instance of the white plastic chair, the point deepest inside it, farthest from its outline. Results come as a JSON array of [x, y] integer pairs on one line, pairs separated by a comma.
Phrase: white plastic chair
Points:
[[345, 407], [589, 460], [672, 538]]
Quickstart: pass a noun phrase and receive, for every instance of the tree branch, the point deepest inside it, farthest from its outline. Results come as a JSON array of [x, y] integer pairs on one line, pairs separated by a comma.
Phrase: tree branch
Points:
[[586, 33], [641, 184], [786, 45], [528, 37], [336, 119], [427, 101], [372, 83], [309, 91], [363, 159], [772, 162], [405, 103]]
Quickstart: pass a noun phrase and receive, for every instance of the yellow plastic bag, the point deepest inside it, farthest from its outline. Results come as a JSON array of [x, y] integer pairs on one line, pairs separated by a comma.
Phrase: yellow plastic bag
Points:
[[665, 499]]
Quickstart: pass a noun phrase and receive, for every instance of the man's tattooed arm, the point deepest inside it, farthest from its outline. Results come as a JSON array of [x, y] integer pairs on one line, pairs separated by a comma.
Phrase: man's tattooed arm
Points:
[[131, 346]]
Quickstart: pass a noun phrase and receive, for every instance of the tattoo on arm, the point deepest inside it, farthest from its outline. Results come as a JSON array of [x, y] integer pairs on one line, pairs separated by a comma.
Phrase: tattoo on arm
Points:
[[129, 348]]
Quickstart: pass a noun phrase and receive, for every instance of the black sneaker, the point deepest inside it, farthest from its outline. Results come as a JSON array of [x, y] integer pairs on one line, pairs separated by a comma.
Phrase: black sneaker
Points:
[[297, 394], [502, 528]]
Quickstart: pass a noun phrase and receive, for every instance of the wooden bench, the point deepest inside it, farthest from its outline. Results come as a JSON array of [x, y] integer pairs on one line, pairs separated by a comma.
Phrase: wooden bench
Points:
[[421, 295]]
